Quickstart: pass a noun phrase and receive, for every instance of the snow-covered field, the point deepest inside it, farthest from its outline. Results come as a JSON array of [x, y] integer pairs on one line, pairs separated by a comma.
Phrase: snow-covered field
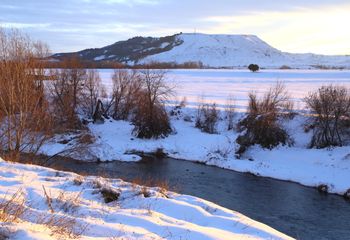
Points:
[[218, 85], [40, 203], [310, 167]]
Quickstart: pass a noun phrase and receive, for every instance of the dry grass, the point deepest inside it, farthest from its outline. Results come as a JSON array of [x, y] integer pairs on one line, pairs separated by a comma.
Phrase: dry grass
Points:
[[78, 180], [63, 201], [68, 202], [86, 139], [141, 185], [12, 208], [62, 226]]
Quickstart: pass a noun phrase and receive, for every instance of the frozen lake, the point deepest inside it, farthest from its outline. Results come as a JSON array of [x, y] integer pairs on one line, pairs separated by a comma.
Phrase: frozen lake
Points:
[[217, 85]]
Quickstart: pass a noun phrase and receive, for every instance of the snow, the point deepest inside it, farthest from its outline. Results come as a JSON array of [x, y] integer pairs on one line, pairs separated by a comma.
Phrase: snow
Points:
[[164, 45], [217, 50], [310, 167], [100, 58], [76, 206]]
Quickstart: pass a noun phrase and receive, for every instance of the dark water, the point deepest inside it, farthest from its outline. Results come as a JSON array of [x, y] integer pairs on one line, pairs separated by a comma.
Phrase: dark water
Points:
[[298, 211]]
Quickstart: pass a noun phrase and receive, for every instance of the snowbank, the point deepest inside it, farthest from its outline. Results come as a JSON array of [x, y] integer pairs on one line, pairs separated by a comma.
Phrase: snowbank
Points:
[[61, 205]]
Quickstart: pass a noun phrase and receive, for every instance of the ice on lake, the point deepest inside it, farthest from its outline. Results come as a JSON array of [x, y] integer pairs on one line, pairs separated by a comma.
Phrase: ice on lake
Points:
[[217, 85]]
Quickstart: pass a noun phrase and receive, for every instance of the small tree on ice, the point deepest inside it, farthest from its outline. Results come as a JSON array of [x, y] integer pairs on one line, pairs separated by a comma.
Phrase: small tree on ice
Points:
[[253, 67]]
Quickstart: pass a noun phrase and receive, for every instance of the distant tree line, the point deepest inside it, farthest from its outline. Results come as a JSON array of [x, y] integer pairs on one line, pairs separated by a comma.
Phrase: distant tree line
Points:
[[54, 63]]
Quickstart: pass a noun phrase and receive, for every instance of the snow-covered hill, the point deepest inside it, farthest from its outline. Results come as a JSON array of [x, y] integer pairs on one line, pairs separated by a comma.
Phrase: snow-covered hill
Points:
[[240, 51], [220, 51], [209, 49]]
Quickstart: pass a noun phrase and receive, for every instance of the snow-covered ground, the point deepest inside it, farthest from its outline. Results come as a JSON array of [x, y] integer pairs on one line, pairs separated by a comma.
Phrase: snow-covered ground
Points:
[[49, 204], [310, 167]]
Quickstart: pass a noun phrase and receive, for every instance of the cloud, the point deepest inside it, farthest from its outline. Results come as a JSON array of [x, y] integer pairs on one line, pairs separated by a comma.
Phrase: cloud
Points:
[[70, 25], [304, 30]]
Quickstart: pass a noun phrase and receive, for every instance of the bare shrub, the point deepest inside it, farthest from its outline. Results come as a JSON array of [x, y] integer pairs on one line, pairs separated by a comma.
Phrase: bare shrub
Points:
[[261, 125], [323, 188], [159, 153], [4, 233], [151, 119], [230, 112], [346, 194], [65, 226], [207, 118], [222, 151], [183, 102], [25, 121], [109, 194], [150, 123], [330, 106]]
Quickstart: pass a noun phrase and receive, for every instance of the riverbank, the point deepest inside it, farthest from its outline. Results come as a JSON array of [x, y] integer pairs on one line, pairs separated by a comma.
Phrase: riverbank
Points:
[[51, 204], [309, 167]]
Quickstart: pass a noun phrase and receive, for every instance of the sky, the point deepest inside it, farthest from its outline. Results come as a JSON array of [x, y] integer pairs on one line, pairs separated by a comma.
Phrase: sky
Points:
[[297, 26]]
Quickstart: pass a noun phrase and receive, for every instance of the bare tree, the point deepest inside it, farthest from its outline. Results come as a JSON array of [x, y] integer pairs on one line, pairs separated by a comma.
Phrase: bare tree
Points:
[[25, 120], [91, 92], [151, 119], [330, 106], [67, 92], [261, 124], [207, 118], [126, 87]]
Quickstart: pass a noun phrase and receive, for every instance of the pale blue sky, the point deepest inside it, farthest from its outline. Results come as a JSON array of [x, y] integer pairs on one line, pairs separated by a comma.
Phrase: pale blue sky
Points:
[[318, 26]]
